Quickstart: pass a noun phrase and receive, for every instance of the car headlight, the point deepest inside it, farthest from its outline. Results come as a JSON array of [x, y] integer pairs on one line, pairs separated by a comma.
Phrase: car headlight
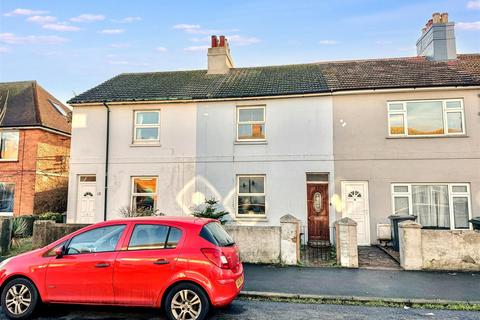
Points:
[[4, 263]]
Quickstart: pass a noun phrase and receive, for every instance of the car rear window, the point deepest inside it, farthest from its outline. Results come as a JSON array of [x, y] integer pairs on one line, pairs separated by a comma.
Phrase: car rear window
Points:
[[215, 234]]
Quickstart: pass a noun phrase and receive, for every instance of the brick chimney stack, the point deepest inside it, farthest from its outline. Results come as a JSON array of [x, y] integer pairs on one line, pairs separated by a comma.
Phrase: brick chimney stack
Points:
[[219, 59], [437, 42]]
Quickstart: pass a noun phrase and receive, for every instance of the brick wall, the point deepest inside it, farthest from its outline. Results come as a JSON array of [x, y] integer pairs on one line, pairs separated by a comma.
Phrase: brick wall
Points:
[[23, 172]]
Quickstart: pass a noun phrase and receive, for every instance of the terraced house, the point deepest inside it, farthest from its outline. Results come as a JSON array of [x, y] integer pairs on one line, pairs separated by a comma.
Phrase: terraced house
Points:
[[363, 139]]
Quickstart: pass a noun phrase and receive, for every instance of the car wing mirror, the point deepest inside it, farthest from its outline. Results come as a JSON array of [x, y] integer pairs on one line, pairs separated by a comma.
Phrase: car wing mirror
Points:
[[59, 252]]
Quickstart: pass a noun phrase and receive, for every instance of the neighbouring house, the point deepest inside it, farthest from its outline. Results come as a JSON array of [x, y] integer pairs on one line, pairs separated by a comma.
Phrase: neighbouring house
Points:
[[34, 150], [319, 141]]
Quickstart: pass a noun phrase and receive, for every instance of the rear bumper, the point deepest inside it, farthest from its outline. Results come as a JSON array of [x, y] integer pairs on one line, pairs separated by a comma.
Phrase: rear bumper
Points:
[[226, 290]]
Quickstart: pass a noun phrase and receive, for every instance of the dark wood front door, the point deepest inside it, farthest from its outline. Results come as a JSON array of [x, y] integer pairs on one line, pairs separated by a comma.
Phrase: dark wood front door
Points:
[[317, 199]]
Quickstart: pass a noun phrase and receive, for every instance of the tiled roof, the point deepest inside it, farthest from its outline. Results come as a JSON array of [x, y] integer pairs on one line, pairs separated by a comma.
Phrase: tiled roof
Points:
[[27, 104], [321, 77]]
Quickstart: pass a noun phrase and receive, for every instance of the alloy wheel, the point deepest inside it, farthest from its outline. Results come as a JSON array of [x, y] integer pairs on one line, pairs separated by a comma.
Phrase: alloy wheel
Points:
[[186, 305], [18, 299]]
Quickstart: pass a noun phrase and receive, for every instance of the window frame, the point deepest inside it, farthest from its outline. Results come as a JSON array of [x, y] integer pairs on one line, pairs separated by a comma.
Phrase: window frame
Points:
[[166, 238], [18, 145], [136, 126], [264, 122], [445, 111], [9, 214], [136, 194], [451, 196], [264, 194]]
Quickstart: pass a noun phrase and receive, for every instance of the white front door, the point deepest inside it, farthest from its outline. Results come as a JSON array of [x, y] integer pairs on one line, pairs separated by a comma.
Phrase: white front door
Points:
[[355, 206], [87, 190]]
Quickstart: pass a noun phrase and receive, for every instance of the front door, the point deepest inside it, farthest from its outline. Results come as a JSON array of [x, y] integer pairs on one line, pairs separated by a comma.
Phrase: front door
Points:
[[317, 202], [355, 200], [87, 189]]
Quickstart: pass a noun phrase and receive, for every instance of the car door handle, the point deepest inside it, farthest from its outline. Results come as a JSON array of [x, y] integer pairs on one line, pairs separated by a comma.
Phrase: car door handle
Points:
[[102, 265], [161, 261]]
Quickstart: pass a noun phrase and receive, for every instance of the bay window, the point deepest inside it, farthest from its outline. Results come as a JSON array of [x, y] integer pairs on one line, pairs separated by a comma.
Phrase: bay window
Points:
[[437, 206], [426, 118]]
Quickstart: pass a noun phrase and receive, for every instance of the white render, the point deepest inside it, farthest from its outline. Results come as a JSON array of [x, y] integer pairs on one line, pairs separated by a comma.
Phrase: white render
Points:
[[198, 155]]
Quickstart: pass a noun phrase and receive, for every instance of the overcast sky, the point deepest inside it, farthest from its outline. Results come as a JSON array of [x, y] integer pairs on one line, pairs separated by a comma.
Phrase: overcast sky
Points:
[[71, 46]]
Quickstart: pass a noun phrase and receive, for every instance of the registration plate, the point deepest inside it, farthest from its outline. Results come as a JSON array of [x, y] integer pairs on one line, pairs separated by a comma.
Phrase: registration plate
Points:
[[239, 281]]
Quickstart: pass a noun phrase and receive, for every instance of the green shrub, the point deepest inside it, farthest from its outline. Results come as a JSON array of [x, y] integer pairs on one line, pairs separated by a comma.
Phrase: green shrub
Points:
[[54, 216], [19, 228], [210, 209]]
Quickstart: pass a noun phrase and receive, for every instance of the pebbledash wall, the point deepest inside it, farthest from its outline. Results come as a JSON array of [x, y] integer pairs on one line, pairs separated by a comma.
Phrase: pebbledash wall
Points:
[[198, 155], [364, 151]]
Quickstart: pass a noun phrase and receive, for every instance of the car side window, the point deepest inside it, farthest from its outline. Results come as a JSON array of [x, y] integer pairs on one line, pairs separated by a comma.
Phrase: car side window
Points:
[[103, 239], [154, 236]]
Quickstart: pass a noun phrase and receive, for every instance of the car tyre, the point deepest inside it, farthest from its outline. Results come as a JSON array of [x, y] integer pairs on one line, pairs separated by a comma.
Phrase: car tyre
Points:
[[186, 299], [19, 299]]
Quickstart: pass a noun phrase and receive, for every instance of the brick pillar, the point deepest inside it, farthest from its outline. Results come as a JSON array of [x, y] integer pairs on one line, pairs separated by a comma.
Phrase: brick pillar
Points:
[[410, 241], [346, 242], [5, 234], [289, 240]]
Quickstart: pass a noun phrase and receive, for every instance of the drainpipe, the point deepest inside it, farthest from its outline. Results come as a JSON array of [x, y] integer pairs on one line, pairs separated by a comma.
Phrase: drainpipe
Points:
[[107, 138]]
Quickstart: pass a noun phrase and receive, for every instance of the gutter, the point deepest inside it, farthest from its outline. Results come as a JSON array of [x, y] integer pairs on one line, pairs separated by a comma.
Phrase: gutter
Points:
[[107, 143]]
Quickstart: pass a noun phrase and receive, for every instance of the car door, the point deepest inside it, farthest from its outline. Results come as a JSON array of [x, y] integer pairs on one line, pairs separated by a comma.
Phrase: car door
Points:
[[146, 263], [83, 274]]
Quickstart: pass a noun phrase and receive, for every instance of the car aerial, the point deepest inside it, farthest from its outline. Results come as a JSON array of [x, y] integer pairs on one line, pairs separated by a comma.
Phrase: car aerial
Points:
[[184, 265]]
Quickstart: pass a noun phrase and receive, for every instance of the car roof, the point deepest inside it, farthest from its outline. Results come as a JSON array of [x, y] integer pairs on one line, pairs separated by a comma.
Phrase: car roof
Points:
[[165, 219]]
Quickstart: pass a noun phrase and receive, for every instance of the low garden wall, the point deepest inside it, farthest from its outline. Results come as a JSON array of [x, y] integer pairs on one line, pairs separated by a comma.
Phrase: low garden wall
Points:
[[46, 232], [423, 249]]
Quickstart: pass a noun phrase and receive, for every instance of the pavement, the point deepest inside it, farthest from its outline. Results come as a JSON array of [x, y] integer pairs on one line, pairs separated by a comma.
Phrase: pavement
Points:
[[363, 284], [258, 310]]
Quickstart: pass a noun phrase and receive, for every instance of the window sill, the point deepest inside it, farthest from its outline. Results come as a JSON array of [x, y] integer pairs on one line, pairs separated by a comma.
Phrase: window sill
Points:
[[155, 144], [251, 219], [250, 142], [8, 160], [429, 137]]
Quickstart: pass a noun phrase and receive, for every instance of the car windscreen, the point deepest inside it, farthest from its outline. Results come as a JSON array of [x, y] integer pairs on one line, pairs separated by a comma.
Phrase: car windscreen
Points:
[[214, 233]]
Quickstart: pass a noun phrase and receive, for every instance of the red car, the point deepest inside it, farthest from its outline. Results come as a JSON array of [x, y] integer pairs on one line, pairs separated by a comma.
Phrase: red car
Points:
[[182, 264]]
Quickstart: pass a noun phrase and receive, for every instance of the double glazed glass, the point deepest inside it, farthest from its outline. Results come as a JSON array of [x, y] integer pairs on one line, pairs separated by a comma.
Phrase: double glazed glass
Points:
[[251, 195]]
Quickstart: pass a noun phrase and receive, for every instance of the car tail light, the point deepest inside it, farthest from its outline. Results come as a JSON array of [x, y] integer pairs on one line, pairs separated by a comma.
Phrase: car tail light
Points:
[[216, 257]]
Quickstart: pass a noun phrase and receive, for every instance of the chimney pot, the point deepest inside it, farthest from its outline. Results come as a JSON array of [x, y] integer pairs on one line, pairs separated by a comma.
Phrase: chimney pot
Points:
[[222, 41], [436, 18], [444, 17], [214, 41]]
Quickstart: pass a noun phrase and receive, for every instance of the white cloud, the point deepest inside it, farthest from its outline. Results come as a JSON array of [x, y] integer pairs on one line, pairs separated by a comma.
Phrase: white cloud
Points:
[[24, 12], [88, 18], [183, 26], [128, 20], [41, 19], [60, 27], [161, 49], [328, 42], [242, 40], [196, 48], [112, 31], [119, 62], [120, 45], [4, 49], [10, 38], [474, 4], [469, 25]]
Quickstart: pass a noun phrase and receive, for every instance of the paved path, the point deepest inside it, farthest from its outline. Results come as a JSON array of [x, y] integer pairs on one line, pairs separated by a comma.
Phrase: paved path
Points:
[[363, 283], [258, 310]]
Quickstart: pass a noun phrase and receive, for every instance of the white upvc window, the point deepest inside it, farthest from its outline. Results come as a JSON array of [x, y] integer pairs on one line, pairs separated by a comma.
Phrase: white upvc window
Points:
[[144, 193], [437, 206], [7, 198], [251, 196], [426, 118], [251, 123], [9, 140], [146, 126]]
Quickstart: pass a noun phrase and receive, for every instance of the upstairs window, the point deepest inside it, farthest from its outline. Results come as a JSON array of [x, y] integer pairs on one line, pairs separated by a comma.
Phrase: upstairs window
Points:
[[250, 123], [147, 127], [9, 145], [426, 118], [59, 108]]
